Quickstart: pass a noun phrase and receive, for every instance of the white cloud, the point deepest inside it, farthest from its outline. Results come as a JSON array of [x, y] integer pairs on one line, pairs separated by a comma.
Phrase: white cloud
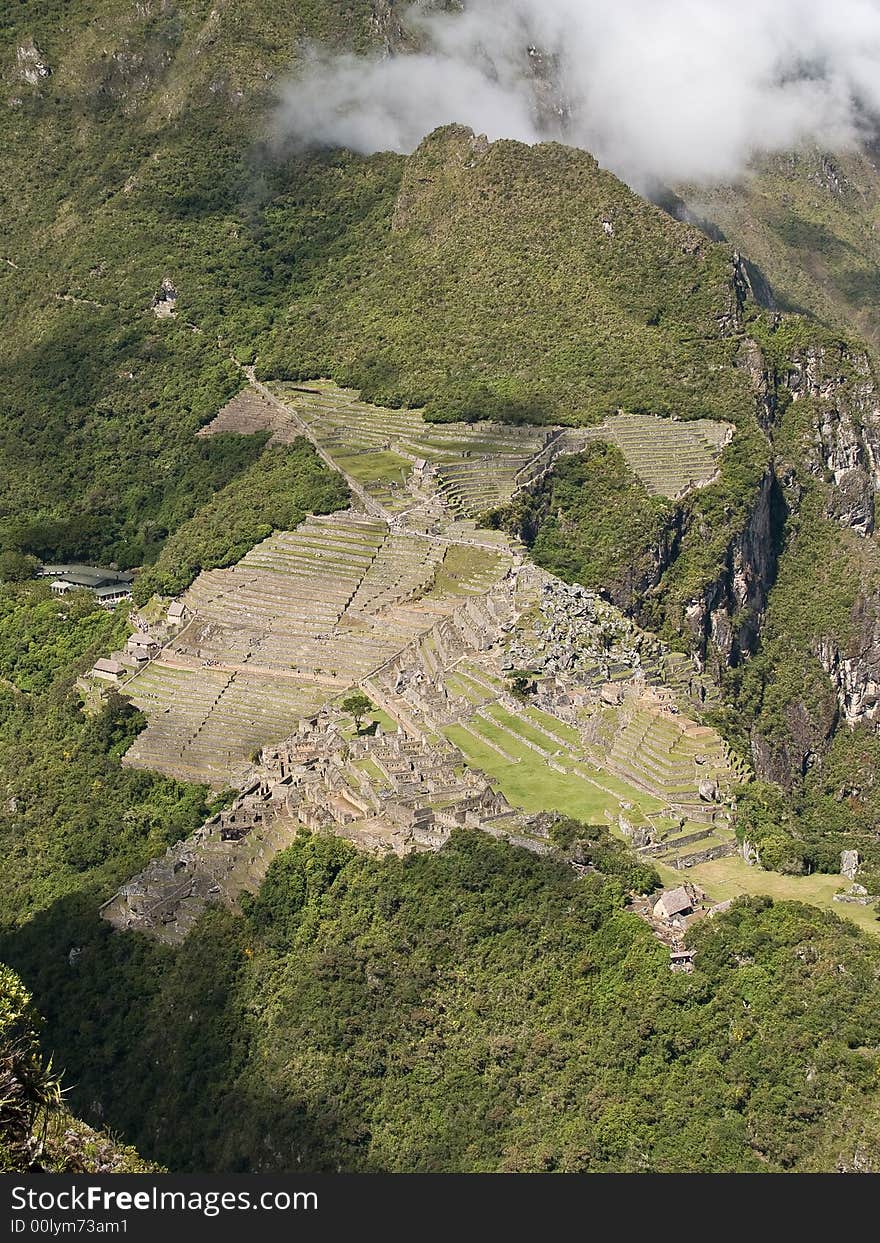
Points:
[[676, 90]]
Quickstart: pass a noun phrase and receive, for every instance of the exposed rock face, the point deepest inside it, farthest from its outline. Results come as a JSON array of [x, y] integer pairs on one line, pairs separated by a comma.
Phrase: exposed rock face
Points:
[[849, 863], [724, 621], [854, 669], [763, 380], [786, 757], [845, 440], [838, 442], [843, 444], [386, 26], [165, 300], [30, 63]]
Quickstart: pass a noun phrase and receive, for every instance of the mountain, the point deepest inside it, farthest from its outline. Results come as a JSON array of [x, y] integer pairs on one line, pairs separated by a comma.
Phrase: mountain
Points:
[[164, 250], [37, 1132], [809, 221]]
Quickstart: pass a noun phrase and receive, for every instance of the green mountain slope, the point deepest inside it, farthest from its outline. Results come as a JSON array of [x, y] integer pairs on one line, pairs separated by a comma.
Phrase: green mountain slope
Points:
[[477, 1009], [37, 1133], [810, 222], [524, 283], [133, 159]]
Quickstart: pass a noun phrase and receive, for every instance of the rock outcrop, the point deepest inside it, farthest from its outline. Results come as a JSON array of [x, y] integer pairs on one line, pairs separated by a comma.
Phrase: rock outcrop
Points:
[[854, 666], [844, 439], [724, 620], [30, 63]]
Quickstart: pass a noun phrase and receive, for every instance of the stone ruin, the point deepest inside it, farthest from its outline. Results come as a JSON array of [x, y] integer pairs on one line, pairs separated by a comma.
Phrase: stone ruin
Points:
[[350, 600], [856, 894], [384, 792], [165, 300]]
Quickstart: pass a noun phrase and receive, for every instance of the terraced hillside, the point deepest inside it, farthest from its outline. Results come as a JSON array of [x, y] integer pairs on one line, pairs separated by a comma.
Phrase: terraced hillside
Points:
[[473, 466], [405, 597], [669, 456], [304, 614], [640, 766]]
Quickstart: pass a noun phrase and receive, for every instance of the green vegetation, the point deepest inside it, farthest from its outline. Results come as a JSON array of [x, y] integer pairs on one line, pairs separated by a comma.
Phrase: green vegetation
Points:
[[556, 1036], [479, 1008], [464, 569], [835, 808], [528, 782], [521, 683], [37, 1133], [731, 877], [592, 521], [71, 819], [482, 286], [807, 219], [150, 168], [475, 1009], [357, 706], [17, 567], [31, 1090], [276, 493]]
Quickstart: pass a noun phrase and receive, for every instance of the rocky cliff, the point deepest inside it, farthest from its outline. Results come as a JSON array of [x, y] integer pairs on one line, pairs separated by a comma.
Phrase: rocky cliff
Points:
[[817, 403], [724, 620], [854, 665], [842, 445]]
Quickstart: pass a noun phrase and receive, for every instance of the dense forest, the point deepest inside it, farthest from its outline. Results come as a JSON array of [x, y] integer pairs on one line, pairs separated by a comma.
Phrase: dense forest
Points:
[[474, 1009], [480, 1008], [37, 1132]]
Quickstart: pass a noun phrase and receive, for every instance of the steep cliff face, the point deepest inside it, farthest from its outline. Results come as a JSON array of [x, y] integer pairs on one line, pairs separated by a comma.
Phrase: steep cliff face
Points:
[[854, 666], [843, 443], [819, 404], [784, 756], [724, 620]]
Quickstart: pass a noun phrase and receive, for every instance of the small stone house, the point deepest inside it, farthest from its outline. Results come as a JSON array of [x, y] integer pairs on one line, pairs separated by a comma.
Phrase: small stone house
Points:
[[673, 902], [141, 647], [108, 670], [177, 613]]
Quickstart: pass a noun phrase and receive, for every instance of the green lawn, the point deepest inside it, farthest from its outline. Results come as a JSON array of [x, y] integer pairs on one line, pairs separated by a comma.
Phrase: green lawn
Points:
[[374, 467], [532, 785], [457, 685], [376, 714], [370, 768], [555, 791], [639, 798], [732, 877], [520, 725], [467, 671], [544, 720]]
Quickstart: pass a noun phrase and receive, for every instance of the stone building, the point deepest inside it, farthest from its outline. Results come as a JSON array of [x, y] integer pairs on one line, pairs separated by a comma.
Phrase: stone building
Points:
[[673, 902], [108, 670]]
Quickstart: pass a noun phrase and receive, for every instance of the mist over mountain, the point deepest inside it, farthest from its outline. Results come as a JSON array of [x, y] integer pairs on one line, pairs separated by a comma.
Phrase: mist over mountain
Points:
[[674, 91]]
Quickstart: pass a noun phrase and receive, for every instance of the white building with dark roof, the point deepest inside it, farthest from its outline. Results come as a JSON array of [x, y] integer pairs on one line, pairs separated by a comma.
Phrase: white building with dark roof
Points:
[[106, 670], [107, 586]]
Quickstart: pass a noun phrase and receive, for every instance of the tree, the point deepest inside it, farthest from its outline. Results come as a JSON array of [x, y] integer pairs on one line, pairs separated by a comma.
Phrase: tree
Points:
[[16, 567], [358, 705], [522, 682]]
